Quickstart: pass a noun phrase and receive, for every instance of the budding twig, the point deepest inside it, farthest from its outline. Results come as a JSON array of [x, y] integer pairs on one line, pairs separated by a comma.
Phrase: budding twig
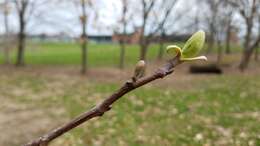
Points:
[[106, 105]]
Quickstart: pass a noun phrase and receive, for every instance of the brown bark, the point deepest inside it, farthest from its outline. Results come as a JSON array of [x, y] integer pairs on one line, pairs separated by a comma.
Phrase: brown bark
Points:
[[256, 53], [143, 39], [84, 54], [21, 47], [257, 48], [245, 59], [21, 41], [211, 41], [214, 9], [219, 56], [161, 46], [143, 51], [122, 55], [228, 36], [21, 8], [84, 58], [247, 54], [146, 38], [7, 41], [106, 105], [123, 39], [248, 45]]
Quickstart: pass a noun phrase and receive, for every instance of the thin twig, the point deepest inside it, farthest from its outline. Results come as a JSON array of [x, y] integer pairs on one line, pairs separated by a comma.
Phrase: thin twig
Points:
[[106, 105]]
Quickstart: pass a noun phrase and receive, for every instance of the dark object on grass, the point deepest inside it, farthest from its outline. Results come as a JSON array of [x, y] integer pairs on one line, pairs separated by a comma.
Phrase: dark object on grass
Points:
[[205, 69]]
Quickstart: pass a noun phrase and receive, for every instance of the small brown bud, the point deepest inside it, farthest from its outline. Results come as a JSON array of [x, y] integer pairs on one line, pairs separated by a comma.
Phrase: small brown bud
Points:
[[139, 70]]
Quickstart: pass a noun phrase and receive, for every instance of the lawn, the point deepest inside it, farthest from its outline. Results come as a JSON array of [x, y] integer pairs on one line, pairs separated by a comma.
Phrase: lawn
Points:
[[55, 53], [100, 55]]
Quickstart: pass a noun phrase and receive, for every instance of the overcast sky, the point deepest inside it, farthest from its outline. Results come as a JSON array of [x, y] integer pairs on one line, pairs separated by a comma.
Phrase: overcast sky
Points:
[[57, 17], [62, 17]]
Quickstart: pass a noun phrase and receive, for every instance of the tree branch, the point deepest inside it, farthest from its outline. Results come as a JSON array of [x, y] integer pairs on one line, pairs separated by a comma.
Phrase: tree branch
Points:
[[165, 18], [255, 44], [106, 105]]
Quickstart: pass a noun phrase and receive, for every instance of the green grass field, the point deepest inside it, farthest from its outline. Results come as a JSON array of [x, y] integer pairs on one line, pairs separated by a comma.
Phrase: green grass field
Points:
[[180, 110], [70, 54], [100, 55]]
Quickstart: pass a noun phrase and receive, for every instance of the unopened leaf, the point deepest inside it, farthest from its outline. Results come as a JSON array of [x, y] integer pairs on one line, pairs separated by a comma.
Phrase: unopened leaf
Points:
[[194, 45]]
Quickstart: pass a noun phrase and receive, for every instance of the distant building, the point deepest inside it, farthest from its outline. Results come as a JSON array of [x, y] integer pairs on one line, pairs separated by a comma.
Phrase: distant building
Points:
[[100, 38], [132, 38], [61, 37], [66, 38], [174, 37]]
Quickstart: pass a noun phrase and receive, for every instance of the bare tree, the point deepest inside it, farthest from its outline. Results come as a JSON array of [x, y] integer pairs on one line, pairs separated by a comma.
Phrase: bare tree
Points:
[[26, 11], [161, 44], [227, 14], [257, 48], [84, 7], [211, 20], [223, 28], [122, 40], [146, 9], [219, 38], [157, 24], [228, 32], [172, 17], [249, 10], [83, 20], [6, 10], [22, 8]]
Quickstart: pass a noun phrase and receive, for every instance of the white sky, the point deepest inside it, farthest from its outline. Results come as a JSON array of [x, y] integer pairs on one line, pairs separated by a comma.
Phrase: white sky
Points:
[[57, 17], [63, 17]]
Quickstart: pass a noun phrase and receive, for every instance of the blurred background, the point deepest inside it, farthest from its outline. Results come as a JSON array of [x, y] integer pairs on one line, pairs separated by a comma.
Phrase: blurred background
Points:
[[59, 58]]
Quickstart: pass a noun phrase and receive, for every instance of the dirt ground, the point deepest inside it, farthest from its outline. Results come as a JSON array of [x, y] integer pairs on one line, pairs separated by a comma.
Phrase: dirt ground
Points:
[[31, 121]]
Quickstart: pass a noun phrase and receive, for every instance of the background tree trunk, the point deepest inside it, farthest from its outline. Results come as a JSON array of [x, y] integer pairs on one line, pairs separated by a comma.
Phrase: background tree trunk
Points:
[[219, 56], [143, 45], [228, 37], [211, 44], [84, 54], [211, 41], [257, 48], [21, 40], [247, 54], [7, 39], [247, 49], [122, 55], [161, 46], [245, 59], [123, 39], [22, 7], [143, 51], [256, 53], [83, 18], [146, 9], [160, 52]]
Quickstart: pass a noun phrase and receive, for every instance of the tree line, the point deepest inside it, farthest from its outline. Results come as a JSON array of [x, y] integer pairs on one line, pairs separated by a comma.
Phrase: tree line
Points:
[[154, 18]]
